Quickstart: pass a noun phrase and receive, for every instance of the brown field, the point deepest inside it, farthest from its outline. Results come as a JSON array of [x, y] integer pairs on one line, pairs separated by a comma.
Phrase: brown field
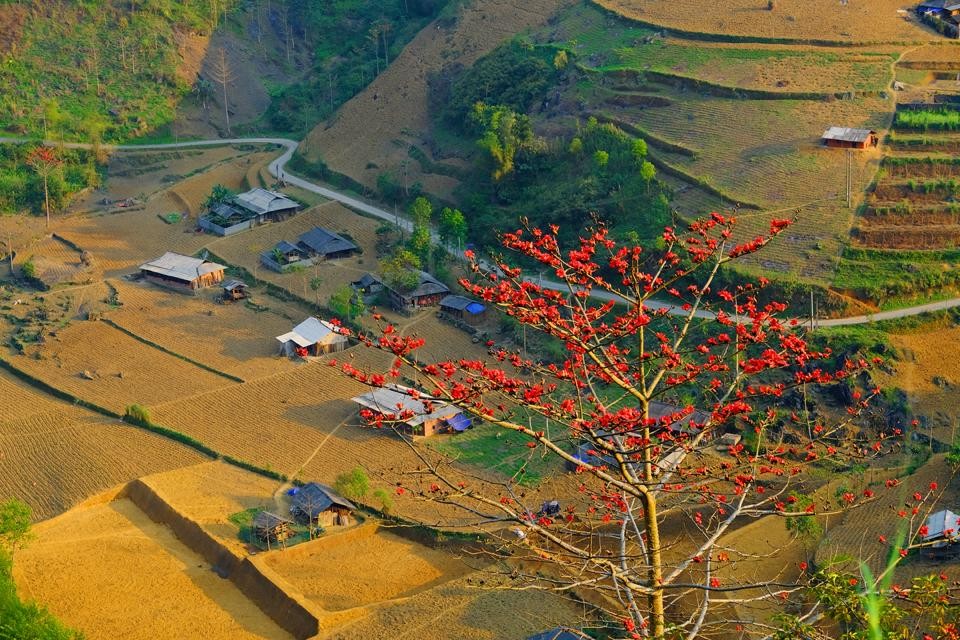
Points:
[[19, 232], [878, 20], [383, 566], [56, 458], [244, 249], [108, 354], [393, 108], [233, 338], [23, 401], [939, 55], [857, 535], [56, 263], [121, 575]]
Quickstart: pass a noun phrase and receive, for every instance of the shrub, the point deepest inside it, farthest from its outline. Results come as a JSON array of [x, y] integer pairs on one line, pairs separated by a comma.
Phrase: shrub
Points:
[[355, 484], [385, 500], [137, 413]]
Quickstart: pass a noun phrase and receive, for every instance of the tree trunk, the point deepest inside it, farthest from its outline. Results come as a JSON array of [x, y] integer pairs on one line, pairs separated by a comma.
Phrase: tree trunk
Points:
[[46, 199]]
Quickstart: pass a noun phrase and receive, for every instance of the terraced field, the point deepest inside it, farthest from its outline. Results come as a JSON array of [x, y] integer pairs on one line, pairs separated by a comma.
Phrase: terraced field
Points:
[[234, 338], [603, 43], [124, 371], [55, 458], [875, 21]]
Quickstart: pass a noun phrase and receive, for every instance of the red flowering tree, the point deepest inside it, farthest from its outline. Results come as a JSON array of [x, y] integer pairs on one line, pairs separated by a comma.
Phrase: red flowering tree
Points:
[[45, 161], [638, 409]]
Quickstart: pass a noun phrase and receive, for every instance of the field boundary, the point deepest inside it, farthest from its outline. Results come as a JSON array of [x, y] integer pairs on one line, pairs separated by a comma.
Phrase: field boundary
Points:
[[651, 139], [288, 611], [676, 172], [162, 348]]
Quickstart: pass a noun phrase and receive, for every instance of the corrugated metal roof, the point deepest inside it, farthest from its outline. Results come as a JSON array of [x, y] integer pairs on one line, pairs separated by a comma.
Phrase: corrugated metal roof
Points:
[[847, 134], [175, 265], [312, 331], [233, 284], [263, 201], [315, 498], [428, 286], [325, 242], [395, 399], [945, 524]]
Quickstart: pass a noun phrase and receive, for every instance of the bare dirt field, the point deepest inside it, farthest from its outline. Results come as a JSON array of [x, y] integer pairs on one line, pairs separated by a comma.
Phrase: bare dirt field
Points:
[[235, 338], [53, 459], [121, 575], [116, 362], [393, 108], [874, 21], [382, 565]]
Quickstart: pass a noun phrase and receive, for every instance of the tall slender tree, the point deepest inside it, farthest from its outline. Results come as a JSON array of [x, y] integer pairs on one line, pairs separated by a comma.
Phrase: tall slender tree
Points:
[[45, 161]]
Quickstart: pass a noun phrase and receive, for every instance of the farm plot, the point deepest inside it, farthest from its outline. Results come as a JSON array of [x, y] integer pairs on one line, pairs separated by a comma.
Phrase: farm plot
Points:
[[879, 20], [857, 535], [244, 249], [122, 575], [54, 459], [100, 364], [605, 44], [236, 338], [21, 401], [382, 565], [120, 242], [54, 262]]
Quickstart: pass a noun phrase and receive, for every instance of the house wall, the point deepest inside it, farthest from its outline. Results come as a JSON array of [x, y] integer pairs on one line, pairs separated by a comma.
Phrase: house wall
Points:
[[207, 225], [170, 283]]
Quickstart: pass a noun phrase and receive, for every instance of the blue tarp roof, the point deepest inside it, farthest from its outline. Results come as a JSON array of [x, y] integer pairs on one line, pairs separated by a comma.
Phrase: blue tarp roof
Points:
[[475, 308], [460, 422]]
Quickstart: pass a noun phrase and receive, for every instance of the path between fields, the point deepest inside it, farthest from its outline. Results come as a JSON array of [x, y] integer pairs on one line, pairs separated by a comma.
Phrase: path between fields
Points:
[[277, 169]]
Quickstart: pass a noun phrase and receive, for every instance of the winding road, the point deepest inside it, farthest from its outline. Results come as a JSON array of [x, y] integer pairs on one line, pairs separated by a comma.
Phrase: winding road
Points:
[[277, 169]]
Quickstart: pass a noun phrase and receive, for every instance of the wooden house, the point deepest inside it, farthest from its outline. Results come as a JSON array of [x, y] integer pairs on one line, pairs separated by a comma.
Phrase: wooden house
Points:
[[422, 416], [321, 244], [847, 138], [317, 504], [182, 272], [939, 8], [428, 293], [312, 337], [269, 528], [234, 290], [463, 309]]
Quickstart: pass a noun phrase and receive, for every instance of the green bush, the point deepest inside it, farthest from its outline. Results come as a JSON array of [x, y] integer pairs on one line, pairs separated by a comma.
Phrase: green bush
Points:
[[355, 484], [137, 413]]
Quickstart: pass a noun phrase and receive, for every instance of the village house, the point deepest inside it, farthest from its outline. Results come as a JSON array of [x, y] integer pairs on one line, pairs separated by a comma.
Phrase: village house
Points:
[[312, 247], [269, 527], [412, 415], [428, 293], [463, 309], [368, 286], [939, 8], [943, 531], [182, 272], [234, 290], [318, 504], [245, 210], [847, 138], [312, 337]]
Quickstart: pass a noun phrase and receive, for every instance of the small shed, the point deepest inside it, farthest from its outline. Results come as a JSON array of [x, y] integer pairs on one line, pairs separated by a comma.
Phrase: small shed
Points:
[[422, 415], [234, 289], [326, 245], [312, 337], [269, 527], [943, 531], [368, 285], [462, 308], [183, 272], [848, 138], [316, 503]]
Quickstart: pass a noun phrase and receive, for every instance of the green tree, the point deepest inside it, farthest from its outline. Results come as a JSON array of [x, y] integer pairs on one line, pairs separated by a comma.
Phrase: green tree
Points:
[[355, 484], [401, 270], [576, 146], [638, 149], [504, 133], [345, 302], [14, 525], [421, 211], [315, 283], [601, 158], [453, 226], [560, 60], [219, 193], [647, 172]]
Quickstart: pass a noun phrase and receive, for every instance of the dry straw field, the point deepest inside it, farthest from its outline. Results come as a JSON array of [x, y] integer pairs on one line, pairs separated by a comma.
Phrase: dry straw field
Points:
[[873, 21], [121, 575], [124, 371], [234, 338]]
